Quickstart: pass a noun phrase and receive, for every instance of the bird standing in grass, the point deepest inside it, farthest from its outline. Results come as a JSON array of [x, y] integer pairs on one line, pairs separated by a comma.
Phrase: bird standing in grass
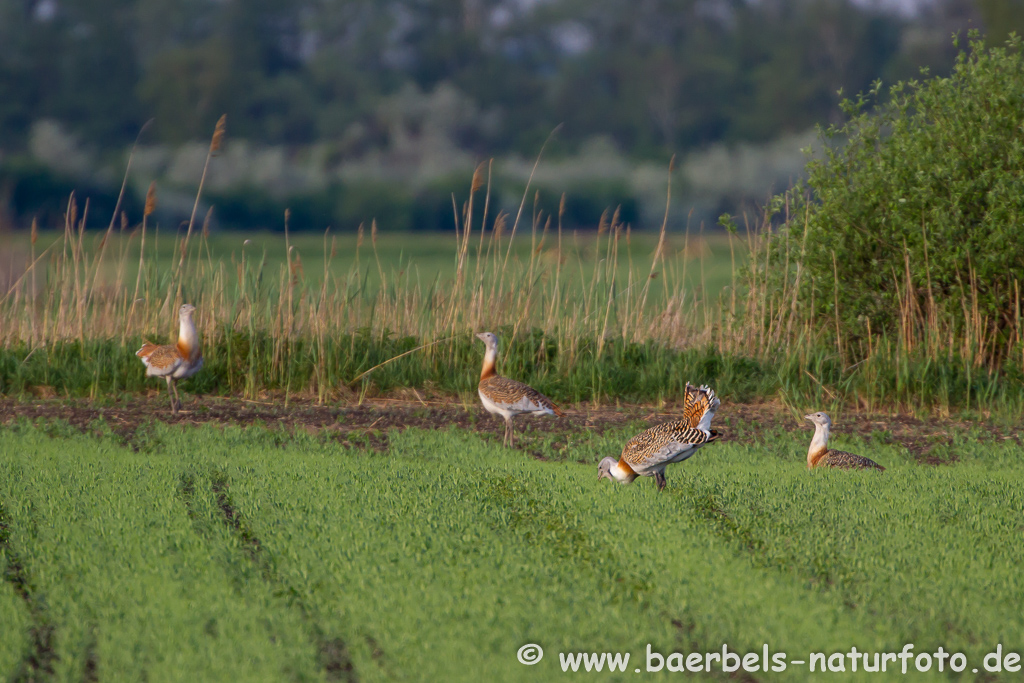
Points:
[[648, 453], [820, 455], [507, 397], [175, 361]]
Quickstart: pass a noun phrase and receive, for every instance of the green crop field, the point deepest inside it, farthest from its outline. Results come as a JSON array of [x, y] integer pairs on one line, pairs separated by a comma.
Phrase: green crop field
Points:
[[250, 554]]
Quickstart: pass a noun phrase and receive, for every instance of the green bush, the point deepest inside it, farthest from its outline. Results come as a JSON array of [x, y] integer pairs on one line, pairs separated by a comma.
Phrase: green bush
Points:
[[916, 209]]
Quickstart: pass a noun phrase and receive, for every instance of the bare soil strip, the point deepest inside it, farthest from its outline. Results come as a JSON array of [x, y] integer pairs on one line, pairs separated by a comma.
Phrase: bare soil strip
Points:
[[367, 424]]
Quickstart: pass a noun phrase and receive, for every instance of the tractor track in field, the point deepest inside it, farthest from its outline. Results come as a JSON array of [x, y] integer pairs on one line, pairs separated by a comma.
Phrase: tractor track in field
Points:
[[930, 441], [333, 654], [37, 663]]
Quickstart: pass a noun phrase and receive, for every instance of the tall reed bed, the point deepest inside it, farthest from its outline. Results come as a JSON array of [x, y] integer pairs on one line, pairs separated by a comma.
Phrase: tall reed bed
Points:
[[596, 324]]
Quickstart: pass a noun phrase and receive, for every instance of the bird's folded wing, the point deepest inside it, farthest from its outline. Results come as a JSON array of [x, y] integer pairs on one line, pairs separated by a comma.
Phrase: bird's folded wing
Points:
[[663, 443], [849, 461], [161, 360], [509, 393], [146, 350]]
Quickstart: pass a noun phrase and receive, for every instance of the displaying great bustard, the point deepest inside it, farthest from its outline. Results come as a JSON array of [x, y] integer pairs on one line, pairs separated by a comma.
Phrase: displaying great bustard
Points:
[[820, 455], [507, 397], [648, 453], [175, 361]]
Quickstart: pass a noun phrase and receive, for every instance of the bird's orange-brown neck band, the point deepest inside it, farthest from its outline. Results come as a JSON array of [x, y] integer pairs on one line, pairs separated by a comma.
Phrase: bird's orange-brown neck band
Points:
[[488, 369], [188, 340]]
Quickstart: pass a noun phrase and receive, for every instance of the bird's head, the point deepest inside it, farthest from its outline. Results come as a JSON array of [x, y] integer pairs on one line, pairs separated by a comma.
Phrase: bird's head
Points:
[[186, 310], [819, 418], [489, 339], [604, 469]]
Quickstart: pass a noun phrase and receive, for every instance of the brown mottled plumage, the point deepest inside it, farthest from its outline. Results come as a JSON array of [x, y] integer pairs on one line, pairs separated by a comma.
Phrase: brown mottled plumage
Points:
[[505, 391], [651, 451], [507, 397], [820, 455], [845, 461], [175, 361]]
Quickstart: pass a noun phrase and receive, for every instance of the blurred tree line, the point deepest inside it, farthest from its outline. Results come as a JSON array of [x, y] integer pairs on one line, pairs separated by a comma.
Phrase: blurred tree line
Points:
[[657, 76]]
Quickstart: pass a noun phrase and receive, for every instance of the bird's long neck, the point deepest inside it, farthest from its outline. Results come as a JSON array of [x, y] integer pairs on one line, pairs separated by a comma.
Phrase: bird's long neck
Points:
[[489, 358], [819, 444], [188, 338]]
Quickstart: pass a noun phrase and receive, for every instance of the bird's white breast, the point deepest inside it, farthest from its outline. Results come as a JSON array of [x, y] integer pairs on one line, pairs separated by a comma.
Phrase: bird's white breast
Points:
[[523, 405], [156, 371], [493, 407]]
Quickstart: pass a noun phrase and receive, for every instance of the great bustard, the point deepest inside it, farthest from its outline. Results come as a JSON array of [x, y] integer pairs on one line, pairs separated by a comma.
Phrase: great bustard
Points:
[[648, 453], [820, 455], [507, 397], [175, 361]]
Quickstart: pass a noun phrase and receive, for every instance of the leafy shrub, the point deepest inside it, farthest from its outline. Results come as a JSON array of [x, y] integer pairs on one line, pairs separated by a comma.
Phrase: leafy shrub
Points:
[[914, 220]]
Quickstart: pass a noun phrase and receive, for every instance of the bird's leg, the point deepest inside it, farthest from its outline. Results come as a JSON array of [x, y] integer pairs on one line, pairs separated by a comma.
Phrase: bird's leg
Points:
[[511, 432], [170, 394], [176, 398], [659, 479]]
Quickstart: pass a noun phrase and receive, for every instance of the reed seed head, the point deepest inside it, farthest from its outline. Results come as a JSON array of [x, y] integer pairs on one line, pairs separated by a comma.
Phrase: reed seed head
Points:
[[478, 178], [150, 200], [218, 133]]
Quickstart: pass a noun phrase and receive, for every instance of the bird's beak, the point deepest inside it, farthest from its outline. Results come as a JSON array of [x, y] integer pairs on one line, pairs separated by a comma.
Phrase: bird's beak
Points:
[[809, 418], [481, 338]]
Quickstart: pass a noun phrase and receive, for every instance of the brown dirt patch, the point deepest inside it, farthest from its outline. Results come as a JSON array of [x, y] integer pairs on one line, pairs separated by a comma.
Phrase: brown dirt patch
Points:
[[368, 423]]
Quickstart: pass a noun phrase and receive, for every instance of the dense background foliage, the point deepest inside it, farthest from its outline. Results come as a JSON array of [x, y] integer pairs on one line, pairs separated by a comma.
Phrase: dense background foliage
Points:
[[914, 217], [350, 110], [656, 76]]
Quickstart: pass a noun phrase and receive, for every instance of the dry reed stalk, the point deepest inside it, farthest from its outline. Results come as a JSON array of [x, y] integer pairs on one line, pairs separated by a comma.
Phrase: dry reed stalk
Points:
[[839, 337], [483, 229], [522, 202], [150, 208], [799, 273], [215, 144], [80, 264], [376, 256]]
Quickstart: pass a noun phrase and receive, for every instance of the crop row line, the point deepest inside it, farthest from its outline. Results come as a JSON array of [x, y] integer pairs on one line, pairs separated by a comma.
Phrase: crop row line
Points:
[[333, 652], [38, 661]]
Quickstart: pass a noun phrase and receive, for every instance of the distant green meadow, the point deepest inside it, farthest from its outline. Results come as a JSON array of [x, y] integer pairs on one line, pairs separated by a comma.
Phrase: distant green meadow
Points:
[[422, 256], [250, 554]]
